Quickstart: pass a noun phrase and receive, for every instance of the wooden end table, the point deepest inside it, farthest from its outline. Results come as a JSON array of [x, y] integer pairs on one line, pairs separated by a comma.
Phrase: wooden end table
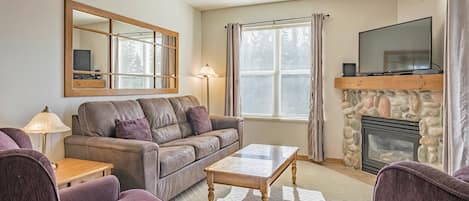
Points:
[[255, 166], [71, 171]]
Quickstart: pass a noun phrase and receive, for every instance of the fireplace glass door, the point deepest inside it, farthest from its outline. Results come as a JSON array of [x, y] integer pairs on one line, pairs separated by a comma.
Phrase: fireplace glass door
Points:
[[386, 141], [387, 150]]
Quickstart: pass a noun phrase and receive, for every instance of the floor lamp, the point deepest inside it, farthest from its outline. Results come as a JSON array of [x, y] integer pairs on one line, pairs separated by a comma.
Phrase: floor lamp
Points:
[[207, 72]]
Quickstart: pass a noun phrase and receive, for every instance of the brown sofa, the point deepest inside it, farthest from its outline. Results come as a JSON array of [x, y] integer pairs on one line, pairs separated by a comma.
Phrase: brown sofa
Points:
[[176, 158]]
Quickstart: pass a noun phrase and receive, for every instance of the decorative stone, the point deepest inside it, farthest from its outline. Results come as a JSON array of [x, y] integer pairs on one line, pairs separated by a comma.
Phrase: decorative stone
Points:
[[426, 96], [358, 106], [346, 105], [410, 116], [422, 153], [404, 108], [373, 112], [414, 102], [435, 131], [432, 157], [355, 160], [437, 96], [422, 128], [349, 141], [396, 113], [368, 102], [431, 105], [430, 112], [432, 121], [390, 93], [348, 111], [427, 140], [402, 93], [355, 124], [384, 107], [356, 138], [353, 147], [348, 132]]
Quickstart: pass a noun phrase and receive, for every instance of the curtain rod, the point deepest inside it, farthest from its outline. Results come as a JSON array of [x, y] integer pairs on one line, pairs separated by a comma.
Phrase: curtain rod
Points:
[[286, 19]]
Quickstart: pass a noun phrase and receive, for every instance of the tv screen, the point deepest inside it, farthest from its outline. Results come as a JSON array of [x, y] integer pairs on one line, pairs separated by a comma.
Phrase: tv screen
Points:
[[82, 60], [402, 47]]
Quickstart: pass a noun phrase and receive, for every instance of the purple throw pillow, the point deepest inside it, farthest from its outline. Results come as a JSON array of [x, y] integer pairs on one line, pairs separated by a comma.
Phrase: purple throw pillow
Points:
[[199, 119], [136, 129]]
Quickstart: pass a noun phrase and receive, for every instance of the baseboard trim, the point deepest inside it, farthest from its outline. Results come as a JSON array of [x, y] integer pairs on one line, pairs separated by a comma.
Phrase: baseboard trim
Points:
[[327, 160]]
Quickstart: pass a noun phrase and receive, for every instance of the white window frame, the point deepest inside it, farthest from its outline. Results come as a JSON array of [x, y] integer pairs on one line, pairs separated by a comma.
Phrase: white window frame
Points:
[[277, 73]]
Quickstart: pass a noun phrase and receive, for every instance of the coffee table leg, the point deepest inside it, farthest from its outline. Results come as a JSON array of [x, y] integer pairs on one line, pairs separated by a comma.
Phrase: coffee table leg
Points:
[[211, 189], [293, 170], [265, 191]]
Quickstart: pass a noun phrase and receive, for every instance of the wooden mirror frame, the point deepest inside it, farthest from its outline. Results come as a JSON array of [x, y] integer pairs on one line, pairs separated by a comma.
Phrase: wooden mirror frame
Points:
[[71, 91]]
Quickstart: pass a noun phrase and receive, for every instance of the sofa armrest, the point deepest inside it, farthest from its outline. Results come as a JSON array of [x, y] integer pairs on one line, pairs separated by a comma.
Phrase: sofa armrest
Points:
[[136, 163], [102, 189], [224, 122], [409, 180]]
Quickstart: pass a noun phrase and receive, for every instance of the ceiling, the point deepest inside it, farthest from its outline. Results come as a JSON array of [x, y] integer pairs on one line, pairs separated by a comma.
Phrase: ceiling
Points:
[[217, 4]]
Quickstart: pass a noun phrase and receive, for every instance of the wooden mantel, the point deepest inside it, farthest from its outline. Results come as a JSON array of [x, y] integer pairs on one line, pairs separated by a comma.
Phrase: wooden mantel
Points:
[[392, 82]]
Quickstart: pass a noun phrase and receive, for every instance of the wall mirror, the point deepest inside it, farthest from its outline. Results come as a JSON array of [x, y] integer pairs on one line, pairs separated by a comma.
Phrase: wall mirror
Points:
[[108, 54]]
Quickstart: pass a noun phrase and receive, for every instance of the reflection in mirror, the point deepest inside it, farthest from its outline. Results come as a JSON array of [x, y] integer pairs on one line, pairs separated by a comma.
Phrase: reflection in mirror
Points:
[[133, 53], [165, 83], [133, 82], [90, 50]]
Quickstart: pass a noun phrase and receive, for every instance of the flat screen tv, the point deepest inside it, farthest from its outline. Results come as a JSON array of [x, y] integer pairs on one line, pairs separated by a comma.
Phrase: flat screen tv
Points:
[[82, 60], [397, 48]]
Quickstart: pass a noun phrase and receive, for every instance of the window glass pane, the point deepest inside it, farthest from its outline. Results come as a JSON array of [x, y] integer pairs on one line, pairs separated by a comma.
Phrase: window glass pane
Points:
[[295, 47], [256, 94], [257, 50], [295, 90]]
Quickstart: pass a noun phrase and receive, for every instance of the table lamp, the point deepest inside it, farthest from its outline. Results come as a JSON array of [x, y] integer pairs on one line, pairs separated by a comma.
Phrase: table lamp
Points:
[[207, 72], [45, 123]]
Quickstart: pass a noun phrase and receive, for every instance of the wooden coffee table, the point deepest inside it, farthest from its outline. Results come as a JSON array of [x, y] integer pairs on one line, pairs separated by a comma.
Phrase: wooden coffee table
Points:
[[255, 166]]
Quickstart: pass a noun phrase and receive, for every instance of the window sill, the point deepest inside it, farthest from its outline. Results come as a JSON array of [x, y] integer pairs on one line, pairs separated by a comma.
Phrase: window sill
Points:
[[276, 119]]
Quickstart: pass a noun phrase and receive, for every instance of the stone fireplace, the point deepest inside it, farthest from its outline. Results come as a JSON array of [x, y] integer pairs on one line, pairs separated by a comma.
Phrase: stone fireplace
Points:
[[420, 106]]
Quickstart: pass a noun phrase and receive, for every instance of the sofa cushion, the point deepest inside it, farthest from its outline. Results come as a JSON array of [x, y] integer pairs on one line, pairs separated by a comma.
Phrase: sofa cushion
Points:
[[99, 118], [203, 145], [136, 129], [163, 122], [199, 119], [225, 136], [6, 142], [181, 105], [174, 158]]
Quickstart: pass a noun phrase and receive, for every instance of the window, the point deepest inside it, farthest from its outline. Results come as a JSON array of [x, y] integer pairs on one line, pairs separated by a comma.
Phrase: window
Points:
[[275, 71]]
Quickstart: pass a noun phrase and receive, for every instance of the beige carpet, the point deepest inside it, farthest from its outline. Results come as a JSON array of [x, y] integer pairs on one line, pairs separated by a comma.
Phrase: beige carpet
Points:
[[314, 183]]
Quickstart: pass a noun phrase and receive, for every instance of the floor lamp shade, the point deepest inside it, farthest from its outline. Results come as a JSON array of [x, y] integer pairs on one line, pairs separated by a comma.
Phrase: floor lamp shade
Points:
[[207, 72]]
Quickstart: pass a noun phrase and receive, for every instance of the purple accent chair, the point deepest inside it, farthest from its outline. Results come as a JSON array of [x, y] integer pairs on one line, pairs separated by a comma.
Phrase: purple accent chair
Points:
[[26, 175], [412, 181]]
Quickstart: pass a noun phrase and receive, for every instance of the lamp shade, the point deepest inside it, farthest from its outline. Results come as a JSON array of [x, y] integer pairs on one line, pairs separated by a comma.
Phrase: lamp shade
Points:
[[207, 71], [46, 122]]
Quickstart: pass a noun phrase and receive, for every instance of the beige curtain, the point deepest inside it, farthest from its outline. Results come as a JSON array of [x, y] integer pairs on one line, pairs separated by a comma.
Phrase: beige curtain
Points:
[[316, 117], [457, 86], [232, 97]]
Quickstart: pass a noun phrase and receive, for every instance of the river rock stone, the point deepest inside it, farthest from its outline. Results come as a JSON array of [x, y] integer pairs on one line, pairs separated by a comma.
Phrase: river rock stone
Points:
[[348, 132], [422, 153], [414, 102], [431, 105], [422, 128], [435, 131], [432, 121], [430, 112], [427, 140], [355, 124], [384, 107], [373, 112]]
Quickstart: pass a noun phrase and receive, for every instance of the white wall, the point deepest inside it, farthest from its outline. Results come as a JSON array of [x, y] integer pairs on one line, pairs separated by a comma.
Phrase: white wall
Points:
[[348, 17], [31, 55]]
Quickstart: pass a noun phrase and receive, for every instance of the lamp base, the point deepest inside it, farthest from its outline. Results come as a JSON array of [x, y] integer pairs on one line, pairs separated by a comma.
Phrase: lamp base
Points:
[[54, 165]]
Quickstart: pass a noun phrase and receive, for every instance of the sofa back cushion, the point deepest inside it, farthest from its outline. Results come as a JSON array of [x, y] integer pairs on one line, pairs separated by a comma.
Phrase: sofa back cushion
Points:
[[163, 121], [181, 105], [99, 118]]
